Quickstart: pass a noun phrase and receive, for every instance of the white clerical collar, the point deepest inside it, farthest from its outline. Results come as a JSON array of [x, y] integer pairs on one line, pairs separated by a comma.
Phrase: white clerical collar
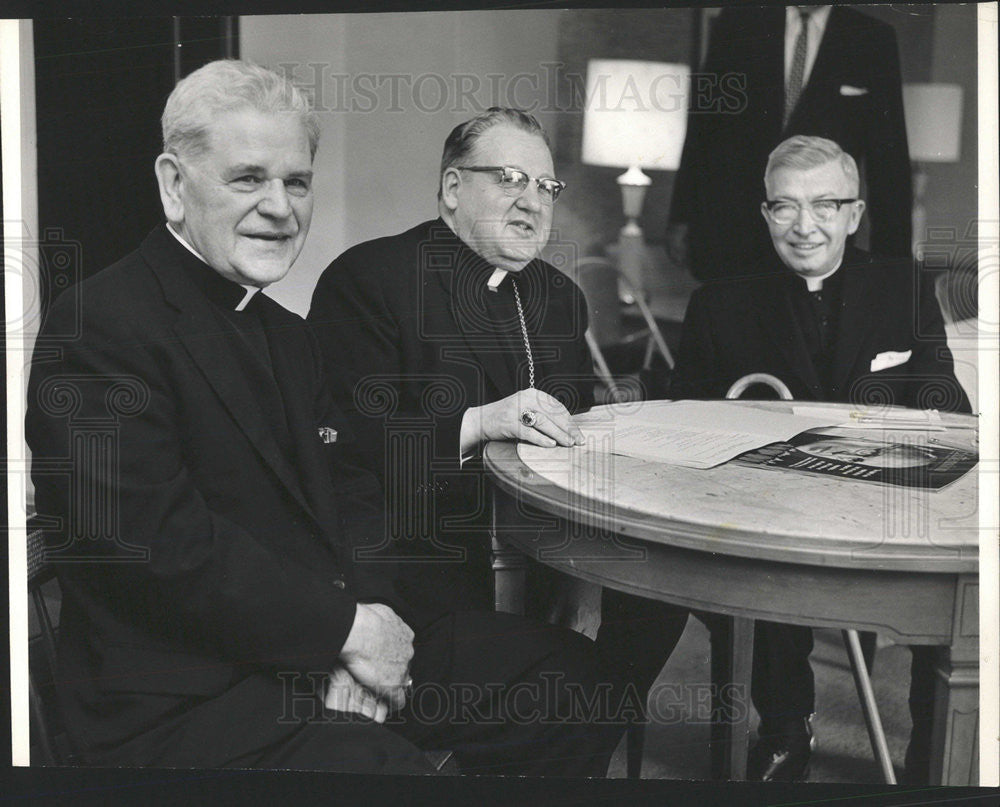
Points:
[[250, 290], [816, 283], [496, 279]]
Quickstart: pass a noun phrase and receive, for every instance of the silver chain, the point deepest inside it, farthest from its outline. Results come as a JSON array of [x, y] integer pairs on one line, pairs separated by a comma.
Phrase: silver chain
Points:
[[524, 334]]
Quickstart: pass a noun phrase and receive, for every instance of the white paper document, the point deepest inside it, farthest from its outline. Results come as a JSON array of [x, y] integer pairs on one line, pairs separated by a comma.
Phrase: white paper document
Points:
[[695, 434]]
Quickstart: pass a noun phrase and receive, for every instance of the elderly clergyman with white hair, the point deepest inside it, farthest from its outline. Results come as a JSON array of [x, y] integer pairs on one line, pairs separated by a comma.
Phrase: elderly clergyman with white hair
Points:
[[221, 618]]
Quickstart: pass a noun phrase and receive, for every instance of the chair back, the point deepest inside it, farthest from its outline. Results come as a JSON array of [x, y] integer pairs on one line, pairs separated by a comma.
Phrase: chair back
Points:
[[740, 385], [598, 278], [43, 702]]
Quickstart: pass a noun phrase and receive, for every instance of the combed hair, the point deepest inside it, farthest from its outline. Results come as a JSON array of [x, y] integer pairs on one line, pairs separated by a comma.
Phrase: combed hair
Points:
[[463, 137], [806, 152], [223, 86]]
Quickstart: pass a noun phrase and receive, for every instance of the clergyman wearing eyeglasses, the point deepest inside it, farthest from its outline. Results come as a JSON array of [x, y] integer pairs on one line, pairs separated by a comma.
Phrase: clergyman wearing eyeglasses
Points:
[[454, 333], [835, 324]]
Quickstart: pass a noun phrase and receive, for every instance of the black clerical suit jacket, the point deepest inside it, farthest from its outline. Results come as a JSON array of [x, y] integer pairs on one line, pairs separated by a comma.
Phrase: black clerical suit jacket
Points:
[[741, 326], [413, 338], [853, 97], [202, 551]]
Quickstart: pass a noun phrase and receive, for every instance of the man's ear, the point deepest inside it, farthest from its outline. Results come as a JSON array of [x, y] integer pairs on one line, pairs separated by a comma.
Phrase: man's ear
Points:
[[168, 177], [451, 181], [763, 212], [857, 211]]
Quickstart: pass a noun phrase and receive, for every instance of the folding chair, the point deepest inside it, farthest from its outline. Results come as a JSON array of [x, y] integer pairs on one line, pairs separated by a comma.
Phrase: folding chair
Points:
[[600, 280]]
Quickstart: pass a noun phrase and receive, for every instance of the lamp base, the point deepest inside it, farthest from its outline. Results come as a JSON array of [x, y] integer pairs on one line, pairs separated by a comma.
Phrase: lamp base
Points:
[[631, 255]]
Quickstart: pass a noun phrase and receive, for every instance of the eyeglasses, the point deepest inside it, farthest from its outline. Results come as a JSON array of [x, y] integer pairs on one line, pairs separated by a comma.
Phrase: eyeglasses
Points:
[[822, 210], [513, 181]]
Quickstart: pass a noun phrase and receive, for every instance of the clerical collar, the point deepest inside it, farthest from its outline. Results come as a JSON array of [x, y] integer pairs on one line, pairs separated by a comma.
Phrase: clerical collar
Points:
[[816, 283], [221, 294], [472, 260], [496, 279]]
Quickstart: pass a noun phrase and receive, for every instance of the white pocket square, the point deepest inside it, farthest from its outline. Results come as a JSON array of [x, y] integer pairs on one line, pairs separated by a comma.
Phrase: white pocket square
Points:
[[891, 358], [847, 89]]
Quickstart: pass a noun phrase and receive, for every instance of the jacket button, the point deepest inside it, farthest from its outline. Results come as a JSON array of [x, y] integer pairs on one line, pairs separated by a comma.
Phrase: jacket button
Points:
[[340, 584]]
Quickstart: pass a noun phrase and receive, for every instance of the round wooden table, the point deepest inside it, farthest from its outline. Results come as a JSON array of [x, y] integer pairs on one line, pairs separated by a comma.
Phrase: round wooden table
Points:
[[757, 543]]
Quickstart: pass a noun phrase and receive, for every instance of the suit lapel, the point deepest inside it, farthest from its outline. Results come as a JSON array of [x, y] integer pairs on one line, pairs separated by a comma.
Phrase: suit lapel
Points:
[[463, 287], [772, 75], [858, 312], [298, 399], [777, 321], [825, 69], [212, 345]]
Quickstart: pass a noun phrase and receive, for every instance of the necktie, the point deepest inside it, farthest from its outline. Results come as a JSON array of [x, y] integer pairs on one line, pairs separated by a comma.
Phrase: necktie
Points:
[[794, 88]]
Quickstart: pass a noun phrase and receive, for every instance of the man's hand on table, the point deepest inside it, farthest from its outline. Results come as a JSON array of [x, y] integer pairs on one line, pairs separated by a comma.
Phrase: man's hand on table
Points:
[[501, 420], [377, 653]]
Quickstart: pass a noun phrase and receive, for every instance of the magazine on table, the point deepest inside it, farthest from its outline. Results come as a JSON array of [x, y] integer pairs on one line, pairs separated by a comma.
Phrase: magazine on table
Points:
[[907, 463]]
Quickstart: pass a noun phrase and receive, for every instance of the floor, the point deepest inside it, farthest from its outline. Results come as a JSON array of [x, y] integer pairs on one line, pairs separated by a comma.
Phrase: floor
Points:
[[677, 737]]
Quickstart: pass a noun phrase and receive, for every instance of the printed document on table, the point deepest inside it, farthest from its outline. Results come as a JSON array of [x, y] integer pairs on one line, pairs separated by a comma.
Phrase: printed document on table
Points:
[[695, 434]]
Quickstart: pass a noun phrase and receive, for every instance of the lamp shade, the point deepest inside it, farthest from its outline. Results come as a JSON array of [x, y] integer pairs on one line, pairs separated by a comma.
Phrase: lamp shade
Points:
[[635, 114], [933, 121]]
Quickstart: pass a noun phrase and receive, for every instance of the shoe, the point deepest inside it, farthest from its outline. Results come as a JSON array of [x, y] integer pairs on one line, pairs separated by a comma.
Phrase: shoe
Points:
[[781, 754]]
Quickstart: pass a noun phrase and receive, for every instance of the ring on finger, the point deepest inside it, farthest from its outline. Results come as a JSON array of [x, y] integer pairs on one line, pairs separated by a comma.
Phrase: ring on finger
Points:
[[529, 417]]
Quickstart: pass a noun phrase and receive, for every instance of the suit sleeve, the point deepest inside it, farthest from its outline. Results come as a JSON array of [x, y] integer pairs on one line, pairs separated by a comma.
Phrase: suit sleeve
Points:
[[580, 363], [933, 383], [358, 322], [890, 190], [205, 582], [707, 93]]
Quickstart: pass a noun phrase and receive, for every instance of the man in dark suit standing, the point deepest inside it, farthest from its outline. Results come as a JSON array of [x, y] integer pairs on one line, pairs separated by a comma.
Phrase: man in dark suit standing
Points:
[[455, 333], [774, 72], [834, 324], [207, 507]]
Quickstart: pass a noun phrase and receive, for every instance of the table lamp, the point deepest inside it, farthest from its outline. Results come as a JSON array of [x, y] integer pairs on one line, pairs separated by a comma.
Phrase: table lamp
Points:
[[934, 133], [635, 118]]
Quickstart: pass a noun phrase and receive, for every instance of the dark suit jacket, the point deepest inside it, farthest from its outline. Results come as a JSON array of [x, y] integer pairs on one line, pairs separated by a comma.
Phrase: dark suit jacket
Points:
[[747, 325], [736, 120], [412, 339], [221, 554]]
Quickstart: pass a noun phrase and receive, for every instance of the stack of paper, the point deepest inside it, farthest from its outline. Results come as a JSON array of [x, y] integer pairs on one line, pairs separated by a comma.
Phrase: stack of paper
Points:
[[695, 434]]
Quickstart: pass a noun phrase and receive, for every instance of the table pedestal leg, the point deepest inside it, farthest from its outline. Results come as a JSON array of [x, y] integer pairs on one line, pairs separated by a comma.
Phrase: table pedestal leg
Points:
[[732, 657], [508, 570], [955, 738]]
